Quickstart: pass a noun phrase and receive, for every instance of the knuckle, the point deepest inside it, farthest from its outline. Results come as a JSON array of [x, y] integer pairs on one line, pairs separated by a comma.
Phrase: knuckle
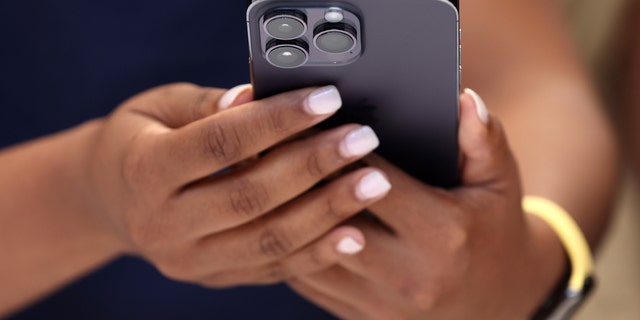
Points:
[[458, 232], [314, 165], [278, 272], [443, 282], [204, 104], [273, 243], [276, 120], [153, 229], [418, 294], [248, 198], [317, 258], [332, 210], [457, 240], [223, 143]]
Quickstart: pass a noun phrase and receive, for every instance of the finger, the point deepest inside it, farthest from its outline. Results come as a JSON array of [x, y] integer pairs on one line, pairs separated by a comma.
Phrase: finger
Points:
[[236, 96], [338, 244], [176, 105], [294, 226], [289, 170], [411, 206], [487, 159], [216, 142], [335, 306], [385, 258], [371, 300]]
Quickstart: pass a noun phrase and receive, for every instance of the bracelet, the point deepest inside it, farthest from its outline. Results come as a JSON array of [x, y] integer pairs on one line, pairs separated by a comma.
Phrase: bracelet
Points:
[[581, 281]]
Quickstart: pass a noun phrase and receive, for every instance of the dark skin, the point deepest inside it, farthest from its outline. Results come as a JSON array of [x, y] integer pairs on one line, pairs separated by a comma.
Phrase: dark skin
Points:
[[139, 182], [472, 253], [442, 251]]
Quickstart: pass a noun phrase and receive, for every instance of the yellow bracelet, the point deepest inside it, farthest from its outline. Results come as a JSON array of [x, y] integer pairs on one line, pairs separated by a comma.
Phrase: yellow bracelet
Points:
[[570, 235], [577, 249]]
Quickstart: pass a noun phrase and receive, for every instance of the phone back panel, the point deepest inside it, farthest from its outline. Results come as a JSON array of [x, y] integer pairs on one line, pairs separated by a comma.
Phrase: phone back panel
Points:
[[405, 84]]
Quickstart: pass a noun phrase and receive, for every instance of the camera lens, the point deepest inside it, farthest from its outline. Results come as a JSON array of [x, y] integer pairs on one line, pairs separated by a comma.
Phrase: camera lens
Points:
[[335, 38], [287, 54], [285, 24]]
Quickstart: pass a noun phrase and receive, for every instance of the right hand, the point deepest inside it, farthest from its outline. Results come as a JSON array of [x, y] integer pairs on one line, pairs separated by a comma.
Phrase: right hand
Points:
[[152, 183]]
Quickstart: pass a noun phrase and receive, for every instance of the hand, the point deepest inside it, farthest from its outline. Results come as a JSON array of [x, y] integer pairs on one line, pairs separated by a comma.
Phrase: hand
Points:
[[468, 253], [158, 183]]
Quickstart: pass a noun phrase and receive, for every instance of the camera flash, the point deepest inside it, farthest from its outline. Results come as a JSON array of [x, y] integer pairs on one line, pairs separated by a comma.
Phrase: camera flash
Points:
[[334, 15]]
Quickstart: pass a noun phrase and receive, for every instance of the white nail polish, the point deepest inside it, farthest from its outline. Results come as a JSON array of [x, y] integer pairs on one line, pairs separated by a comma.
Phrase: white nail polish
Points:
[[349, 246], [231, 95], [324, 100], [481, 107], [372, 186], [359, 142]]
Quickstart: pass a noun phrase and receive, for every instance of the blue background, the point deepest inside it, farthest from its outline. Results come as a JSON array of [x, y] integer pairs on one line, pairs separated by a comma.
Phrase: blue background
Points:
[[64, 62]]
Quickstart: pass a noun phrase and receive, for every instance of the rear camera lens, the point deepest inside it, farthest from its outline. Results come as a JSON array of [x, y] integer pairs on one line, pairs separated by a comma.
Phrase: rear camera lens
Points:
[[285, 25], [335, 38], [287, 55]]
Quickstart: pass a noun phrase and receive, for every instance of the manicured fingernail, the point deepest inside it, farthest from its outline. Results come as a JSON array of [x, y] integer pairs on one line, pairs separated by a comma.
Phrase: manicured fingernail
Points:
[[359, 142], [324, 100], [234, 94], [349, 246], [481, 108], [372, 186]]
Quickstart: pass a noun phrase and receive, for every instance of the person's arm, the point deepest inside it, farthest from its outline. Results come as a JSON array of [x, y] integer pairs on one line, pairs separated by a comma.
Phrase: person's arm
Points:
[[519, 57], [142, 181], [47, 236], [473, 253]]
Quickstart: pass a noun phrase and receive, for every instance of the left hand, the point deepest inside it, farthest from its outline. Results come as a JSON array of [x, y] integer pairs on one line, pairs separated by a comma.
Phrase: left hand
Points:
[[467, 253]]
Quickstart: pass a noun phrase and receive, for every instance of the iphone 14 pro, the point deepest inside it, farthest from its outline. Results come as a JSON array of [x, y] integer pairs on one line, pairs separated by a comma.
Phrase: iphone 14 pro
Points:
[[396, 64]]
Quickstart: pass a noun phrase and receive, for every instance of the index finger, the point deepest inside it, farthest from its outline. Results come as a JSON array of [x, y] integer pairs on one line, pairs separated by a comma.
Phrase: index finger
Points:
[[204, 147], [177, 104]]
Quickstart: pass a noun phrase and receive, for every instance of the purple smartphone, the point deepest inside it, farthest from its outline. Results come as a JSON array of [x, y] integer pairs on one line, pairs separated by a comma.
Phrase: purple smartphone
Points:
[[395, 62]]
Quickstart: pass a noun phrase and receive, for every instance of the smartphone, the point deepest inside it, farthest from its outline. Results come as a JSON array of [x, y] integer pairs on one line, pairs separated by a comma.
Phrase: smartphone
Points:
[[396, 64]]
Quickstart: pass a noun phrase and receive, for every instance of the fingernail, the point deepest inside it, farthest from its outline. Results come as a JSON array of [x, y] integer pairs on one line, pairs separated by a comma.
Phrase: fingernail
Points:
[[372, 186], [232, 96], [348, 245], [324, 100], [481, 108], [359, 142]]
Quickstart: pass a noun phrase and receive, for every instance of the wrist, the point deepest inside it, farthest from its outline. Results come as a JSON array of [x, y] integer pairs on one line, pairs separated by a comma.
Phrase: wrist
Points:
[[547, 260], [83, 192], [572, 291], [46, 226]]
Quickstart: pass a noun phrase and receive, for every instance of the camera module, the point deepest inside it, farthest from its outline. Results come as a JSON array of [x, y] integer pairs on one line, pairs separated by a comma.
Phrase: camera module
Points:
[[287, 54], [335, 38], [285, 24], [303, 35]]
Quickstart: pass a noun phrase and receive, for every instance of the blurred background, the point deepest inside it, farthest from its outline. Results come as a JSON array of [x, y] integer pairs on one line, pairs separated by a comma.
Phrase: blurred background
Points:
[[607, 34]]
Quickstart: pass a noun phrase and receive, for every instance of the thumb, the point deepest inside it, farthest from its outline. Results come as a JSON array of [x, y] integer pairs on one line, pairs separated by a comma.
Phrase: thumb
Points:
[[486, 156]]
